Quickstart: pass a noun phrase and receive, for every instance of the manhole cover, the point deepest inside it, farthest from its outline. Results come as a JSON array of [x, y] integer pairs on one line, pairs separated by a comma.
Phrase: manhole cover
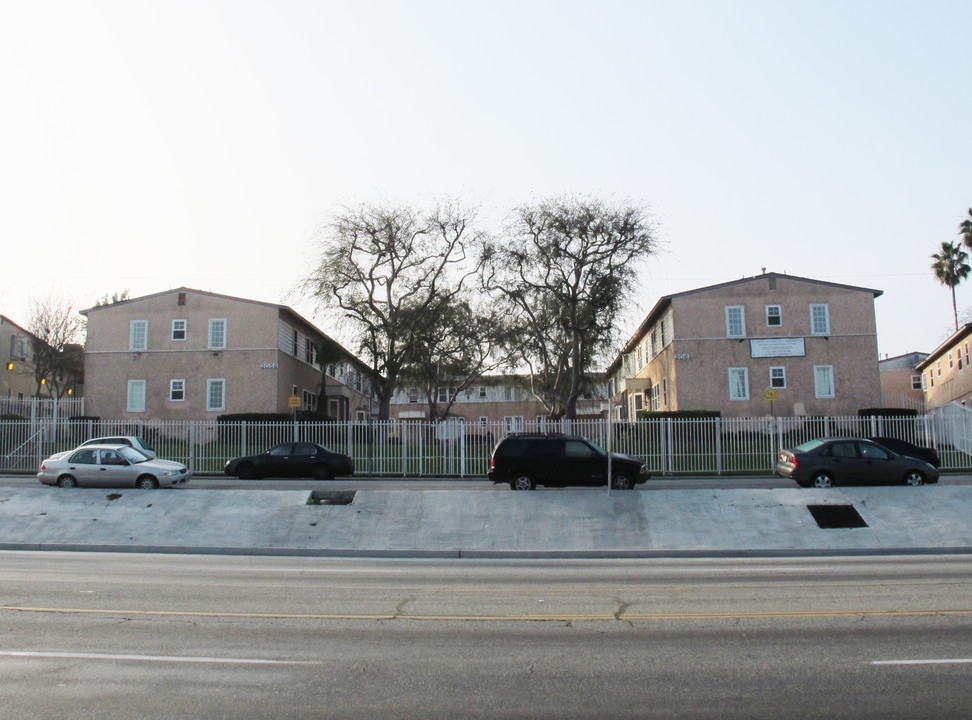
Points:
[[831, 517]]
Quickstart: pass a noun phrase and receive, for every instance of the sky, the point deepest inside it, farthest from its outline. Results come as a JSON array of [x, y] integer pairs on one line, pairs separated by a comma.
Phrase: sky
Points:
[[146, 146]]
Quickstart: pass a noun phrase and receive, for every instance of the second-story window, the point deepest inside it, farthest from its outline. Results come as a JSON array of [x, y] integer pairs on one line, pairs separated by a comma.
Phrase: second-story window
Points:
[[735, 321], [819, 319], [217, 334], [178, 329], [774, 316], [138, 335]]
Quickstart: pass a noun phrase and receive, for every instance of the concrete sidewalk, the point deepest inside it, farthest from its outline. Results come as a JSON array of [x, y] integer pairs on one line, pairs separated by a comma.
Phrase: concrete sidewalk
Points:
[[457, 523]]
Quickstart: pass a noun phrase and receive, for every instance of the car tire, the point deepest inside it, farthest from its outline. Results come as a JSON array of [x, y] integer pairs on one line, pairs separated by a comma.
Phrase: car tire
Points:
[[245, 472], [622, 481], [822, 479], [522, 481], [67, 481], [147, 482], [914, 478], [322, 472]]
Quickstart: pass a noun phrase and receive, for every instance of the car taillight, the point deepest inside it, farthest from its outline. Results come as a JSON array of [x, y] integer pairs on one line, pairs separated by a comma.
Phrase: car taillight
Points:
[[492, 462]]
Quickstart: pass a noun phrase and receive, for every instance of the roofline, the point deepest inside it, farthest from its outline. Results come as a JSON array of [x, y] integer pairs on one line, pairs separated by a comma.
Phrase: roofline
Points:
[[283, 309], [963, 332], [665, 300]]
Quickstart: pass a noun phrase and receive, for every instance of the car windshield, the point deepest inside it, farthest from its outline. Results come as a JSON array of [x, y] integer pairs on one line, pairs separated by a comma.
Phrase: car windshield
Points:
[[132, 455], [809, 445], [597, 447]]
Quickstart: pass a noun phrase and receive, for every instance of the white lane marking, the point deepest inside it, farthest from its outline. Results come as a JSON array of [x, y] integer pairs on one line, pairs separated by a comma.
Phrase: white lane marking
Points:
[[151, 658], [942, 661]]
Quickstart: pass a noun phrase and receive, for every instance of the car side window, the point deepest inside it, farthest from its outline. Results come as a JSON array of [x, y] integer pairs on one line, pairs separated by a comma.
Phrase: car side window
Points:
[[305, 449], [844, 450], [110, 457], [873, 452], [578, 449], [549, 449], [85, 457], [281, 450]]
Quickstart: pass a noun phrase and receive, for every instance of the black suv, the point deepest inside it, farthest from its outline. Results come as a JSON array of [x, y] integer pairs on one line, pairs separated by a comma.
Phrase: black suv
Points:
[[525, 460]]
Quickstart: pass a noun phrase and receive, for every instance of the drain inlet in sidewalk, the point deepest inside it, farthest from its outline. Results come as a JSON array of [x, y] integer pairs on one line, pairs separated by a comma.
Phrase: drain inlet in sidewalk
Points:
[[832, 517], [331, 497]]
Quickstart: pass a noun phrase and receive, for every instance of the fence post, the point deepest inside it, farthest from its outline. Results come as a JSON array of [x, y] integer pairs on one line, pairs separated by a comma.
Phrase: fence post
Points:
[[718, 434], [192, 447]]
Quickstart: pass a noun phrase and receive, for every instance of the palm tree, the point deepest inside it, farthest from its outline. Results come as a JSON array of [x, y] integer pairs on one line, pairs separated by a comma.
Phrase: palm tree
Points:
[[951, 267], [965, 230]]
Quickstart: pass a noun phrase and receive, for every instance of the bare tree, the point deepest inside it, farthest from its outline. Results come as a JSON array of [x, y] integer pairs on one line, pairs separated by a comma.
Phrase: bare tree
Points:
[[388, 271], [58, 331], [454, 351], [563, 274]]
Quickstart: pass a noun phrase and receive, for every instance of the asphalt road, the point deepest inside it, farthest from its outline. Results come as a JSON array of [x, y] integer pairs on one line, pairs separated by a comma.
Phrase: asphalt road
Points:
[[94, 636]]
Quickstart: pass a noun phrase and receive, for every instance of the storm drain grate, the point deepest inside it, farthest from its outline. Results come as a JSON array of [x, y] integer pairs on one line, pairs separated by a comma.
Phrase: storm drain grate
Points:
[[831, 517], [331, 497]]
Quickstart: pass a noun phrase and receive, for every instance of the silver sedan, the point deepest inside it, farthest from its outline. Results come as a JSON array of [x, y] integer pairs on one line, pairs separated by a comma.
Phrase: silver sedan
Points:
[[110, 466]]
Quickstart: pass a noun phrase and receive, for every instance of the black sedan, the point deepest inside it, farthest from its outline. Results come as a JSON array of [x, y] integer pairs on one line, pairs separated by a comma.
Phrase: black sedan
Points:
[[292, 460], [827, 462]]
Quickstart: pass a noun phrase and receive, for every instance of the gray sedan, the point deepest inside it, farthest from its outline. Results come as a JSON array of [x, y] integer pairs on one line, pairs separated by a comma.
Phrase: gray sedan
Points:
[[827, 462], [110, 466]]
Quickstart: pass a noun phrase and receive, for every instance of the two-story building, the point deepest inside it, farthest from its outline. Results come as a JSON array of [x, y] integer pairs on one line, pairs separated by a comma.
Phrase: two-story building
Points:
[[17, 381], [946, 373], [190, 354], [901, 383], [773, 344], [491, 400]]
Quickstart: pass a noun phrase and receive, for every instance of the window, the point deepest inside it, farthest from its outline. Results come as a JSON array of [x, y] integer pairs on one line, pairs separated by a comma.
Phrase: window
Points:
[[482, 392], [308, 350], [639, 401], [819, 319], [217, 334], [823, 381], [136, 396], [18, 347], [138, 335], [444, 395], [413, 395], [916, 382], [778, 377], [513, 423], [774, 316], [177, 390], [178, 329], [215, 395], [735, 321], [309, 400], [739, 383]]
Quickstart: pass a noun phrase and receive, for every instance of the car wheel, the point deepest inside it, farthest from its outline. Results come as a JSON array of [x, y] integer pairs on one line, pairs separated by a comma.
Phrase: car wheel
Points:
[[67, 481], [522, 481], [822, 480], [914, 478], [322, 472], [622, 481], [245, 472], [147, 482]]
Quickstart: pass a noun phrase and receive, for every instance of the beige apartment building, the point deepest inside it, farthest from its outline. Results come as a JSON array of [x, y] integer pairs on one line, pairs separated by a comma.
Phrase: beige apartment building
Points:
[[17, 380], [490, 401], [772, 344], [946, 374], [901, 382], [190, 354]]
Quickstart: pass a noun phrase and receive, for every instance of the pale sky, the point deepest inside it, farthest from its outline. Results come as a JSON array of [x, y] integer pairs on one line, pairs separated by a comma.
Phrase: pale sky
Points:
[[151, 145]]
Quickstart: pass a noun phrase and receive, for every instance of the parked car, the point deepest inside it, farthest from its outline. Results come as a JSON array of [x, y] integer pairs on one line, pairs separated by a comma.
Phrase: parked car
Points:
[[130, 440], [826, 462], [293, 460], [903, 447], [113, 465], [525, 460]]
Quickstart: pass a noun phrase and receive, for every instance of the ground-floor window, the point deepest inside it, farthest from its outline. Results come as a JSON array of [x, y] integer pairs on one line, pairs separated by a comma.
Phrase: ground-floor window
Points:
[[739, 383], [823, 381], [513, 423], [136, 396], [215, 395]]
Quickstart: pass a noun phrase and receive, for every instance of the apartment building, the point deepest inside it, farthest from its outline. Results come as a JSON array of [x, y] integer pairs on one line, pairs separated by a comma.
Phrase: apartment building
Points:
[[17, 380], [946, 374], [901, 382], [489, 401], [772, 344], [191, 354]]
